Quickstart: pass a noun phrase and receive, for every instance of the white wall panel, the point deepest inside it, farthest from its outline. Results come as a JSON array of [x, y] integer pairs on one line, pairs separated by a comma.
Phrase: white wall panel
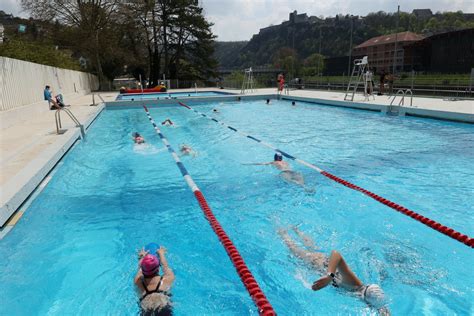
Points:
[[22, 82]]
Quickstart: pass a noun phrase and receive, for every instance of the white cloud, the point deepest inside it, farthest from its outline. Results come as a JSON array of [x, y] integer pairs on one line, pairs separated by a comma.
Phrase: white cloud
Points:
[[239, 19], [12, 7]]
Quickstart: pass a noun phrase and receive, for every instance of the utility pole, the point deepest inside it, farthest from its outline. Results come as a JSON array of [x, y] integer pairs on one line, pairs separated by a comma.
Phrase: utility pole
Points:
[[320, 40], [293, 59], [396, 42], [350, 47]]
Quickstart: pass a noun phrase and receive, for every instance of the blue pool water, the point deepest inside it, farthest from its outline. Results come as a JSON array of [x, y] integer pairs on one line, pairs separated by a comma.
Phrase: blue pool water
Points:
[[169, 95], [74, 250]]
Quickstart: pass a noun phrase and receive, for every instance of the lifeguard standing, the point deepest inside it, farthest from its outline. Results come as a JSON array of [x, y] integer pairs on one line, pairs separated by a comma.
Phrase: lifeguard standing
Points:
[[281, 83]]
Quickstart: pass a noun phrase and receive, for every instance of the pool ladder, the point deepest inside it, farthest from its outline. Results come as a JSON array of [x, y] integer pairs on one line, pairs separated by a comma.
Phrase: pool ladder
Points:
[[59, 129], [401, 103]]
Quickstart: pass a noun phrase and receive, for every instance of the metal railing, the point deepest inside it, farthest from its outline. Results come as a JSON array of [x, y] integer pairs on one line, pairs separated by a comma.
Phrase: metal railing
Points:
[[59, 129], [403, 94]]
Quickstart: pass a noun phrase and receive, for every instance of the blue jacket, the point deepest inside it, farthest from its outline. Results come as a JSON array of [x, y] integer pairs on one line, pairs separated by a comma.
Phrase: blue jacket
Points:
[[47, 95]]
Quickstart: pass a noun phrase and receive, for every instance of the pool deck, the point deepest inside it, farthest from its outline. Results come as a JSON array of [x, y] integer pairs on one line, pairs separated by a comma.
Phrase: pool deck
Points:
[[30, 147]]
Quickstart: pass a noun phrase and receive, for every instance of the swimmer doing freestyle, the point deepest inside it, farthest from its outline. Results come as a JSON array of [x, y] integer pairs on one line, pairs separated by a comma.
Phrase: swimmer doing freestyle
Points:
[[335, 271], [286, 172], [137, 138]]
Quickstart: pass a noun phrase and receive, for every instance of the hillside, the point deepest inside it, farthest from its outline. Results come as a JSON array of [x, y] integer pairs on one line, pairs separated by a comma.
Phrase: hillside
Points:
[[302, 33], [227, 52]]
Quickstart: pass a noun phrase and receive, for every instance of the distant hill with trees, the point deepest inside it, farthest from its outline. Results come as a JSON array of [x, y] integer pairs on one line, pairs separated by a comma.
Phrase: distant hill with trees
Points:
[[302, 36]]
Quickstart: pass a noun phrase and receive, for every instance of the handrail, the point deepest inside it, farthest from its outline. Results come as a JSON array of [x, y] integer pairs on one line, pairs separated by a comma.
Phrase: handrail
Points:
[[402, 101], [411, 95], [57, 117], [404, 94]]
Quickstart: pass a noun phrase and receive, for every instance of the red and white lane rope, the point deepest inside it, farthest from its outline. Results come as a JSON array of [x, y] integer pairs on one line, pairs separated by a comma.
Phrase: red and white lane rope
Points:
[[465, 239], [263, 305]]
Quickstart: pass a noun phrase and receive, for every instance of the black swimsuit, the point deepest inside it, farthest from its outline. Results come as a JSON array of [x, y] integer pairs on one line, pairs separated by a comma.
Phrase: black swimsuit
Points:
[[156, 290], [165, 310]]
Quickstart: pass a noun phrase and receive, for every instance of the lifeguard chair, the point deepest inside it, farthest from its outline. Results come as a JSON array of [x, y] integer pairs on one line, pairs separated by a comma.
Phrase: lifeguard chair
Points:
[[357, 77]]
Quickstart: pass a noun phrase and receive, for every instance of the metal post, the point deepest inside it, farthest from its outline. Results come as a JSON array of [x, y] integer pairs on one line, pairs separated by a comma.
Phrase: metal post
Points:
[[412, 78], [319, 68], [350, 47], [293, 59], [396, 42]]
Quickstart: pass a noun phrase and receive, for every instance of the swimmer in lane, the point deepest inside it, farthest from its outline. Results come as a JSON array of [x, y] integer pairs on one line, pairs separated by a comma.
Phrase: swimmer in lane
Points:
[[153, 288], [187, 150], [167, 122], [335, 271], [137, 138], [286, 172]]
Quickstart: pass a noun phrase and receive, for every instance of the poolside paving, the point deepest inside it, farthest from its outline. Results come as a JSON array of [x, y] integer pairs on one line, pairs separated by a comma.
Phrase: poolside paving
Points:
[[28, 135]]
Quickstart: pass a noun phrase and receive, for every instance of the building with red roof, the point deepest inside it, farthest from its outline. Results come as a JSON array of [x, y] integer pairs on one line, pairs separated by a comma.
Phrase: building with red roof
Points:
[[381, 52]]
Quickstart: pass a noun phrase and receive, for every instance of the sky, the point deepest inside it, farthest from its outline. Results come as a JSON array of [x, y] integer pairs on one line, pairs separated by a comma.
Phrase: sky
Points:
[[238, 20]]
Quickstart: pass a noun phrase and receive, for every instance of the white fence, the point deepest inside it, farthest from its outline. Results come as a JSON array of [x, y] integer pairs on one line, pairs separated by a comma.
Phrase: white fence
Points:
[[23, 82]]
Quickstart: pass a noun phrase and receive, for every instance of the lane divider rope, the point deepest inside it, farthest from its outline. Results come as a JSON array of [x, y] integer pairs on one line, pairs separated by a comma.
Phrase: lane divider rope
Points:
[[263, 305], [465, 239]]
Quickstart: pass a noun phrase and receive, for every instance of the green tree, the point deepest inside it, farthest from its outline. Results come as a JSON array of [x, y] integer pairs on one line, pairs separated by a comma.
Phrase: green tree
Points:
[[89, 19], [313, 65], [36, 52], [287, 59]]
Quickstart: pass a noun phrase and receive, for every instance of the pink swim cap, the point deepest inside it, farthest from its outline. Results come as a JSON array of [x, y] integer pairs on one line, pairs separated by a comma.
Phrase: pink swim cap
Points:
[[150, 265]]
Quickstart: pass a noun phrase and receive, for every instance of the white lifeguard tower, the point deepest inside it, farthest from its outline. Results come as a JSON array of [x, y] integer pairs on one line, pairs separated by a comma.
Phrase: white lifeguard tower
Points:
[[248, 84], [357, 77]]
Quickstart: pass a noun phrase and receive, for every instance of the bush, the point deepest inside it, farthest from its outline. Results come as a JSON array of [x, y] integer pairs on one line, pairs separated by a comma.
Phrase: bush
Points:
[[40, 53]]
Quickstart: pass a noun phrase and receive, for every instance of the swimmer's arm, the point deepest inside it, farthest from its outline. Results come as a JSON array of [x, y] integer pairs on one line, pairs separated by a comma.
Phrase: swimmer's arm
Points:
[[324, 281], [258, 163], [168, 273]]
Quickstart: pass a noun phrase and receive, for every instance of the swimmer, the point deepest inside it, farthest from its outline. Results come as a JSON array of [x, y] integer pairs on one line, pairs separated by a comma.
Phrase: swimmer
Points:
[[167, 122], [286, 172], [335, 271], [293, 103], [153, 288], [215, 110], [187, 150], [137, 138], [268, 101], [239, 98]]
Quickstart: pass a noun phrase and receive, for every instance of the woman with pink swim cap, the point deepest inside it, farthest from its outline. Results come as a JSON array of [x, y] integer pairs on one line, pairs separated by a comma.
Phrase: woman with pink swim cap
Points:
[[152, 287]]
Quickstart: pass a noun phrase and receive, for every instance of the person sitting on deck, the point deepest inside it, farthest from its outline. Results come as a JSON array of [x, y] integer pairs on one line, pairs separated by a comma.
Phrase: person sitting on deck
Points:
[[137, 138], [335, 271], [152, 287], [286, 172], [48, 96], [167, 122]]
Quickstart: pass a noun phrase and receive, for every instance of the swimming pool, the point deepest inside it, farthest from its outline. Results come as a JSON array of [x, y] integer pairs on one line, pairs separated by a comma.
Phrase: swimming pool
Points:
[[77, 240], [169, 95]]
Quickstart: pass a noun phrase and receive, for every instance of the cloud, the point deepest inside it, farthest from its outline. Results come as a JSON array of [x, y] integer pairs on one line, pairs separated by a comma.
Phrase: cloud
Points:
[[239, 19], [12, 7]]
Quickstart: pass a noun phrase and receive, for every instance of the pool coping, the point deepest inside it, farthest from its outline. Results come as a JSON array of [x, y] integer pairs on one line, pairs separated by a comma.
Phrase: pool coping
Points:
[[18, 189], [400, 110]]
